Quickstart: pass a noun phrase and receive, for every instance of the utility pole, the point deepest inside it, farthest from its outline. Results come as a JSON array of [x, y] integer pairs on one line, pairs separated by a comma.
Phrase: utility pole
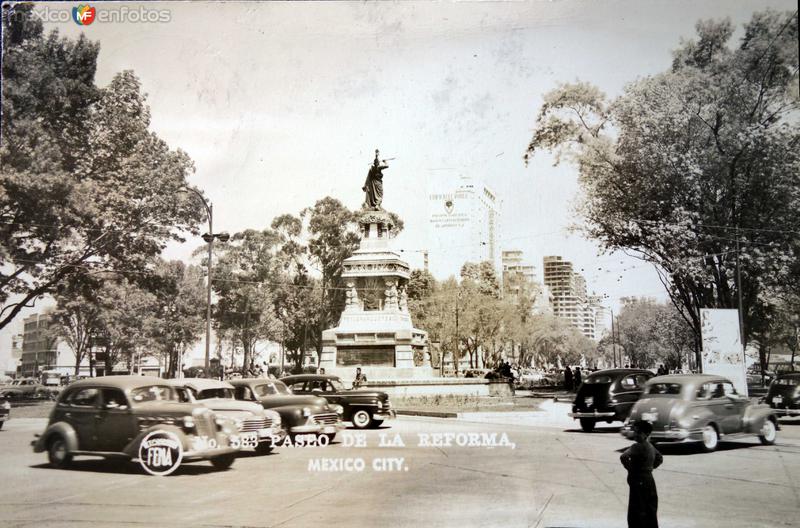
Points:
[[613, 340], [739, 291]]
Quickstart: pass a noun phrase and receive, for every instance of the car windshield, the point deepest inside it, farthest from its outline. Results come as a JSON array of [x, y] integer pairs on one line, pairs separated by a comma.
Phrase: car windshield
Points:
[[668, 389], [787, 381], [270, 389], [152, 393], [337, 384], [220, 392], [598, 379]]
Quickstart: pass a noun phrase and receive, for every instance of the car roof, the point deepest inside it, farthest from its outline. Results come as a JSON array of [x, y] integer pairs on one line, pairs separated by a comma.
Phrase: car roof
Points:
[[617, 372], [201, 384], [252, 381], [687, 378], [307, 377], [120, 382]]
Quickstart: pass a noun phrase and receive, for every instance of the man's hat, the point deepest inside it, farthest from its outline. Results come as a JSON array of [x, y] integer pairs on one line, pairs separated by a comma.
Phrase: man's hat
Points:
[[643, 426]]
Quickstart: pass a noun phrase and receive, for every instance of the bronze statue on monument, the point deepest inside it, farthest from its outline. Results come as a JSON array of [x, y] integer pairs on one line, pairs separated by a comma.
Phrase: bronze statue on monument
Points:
[[373, 186]]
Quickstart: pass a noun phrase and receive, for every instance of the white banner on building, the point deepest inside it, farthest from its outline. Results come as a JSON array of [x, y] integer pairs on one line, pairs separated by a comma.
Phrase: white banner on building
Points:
[[722, 347]]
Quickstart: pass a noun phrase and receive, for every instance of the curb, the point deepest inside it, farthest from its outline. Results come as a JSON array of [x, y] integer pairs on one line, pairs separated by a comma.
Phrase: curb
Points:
[[432, 414]]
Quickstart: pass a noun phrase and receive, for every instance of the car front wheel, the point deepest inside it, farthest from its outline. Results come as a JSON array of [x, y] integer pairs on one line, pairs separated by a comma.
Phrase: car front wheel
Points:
[[57, 452], [362, 419], [264, 448], [587, 424], [710, 438], [768, 433], [223, 461]]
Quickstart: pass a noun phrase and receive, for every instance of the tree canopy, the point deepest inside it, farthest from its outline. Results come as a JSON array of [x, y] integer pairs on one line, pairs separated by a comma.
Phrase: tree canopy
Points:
[[84, 184], [696, 169]]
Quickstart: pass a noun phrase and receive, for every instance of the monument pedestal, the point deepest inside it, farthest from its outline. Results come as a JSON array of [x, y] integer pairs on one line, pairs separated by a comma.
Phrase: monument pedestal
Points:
[[375, 331]]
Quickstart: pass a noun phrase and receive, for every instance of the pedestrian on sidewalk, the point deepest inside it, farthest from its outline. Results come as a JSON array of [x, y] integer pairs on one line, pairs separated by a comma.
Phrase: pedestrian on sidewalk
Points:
[[577, 378], [640, 460], [567, 379]]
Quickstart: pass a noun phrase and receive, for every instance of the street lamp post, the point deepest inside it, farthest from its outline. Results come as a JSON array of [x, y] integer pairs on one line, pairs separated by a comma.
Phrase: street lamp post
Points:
[[209, 239]]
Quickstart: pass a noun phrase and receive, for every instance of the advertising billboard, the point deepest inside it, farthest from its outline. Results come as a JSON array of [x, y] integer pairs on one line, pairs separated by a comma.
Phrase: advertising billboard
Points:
[[722, 346]]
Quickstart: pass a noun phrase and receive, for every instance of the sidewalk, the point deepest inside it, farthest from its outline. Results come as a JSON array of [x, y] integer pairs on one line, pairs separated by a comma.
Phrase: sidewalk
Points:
[[544, 413]]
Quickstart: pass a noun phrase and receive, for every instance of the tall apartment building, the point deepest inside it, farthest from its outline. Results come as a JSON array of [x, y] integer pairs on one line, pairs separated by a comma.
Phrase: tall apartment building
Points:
[[516, 271], [570, 300], [463, 218], [39, 350]]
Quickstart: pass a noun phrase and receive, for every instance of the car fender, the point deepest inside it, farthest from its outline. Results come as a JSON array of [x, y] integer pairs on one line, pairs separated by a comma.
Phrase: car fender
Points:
[[132, 449], [61, 428], [755, 416]]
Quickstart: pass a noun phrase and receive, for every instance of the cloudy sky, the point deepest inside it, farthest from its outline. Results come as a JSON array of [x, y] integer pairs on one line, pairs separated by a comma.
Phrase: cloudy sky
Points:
[[281, 104]]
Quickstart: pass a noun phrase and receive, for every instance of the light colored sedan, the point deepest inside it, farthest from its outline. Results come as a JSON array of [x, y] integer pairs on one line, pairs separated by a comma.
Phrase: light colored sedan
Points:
[[700, 408]]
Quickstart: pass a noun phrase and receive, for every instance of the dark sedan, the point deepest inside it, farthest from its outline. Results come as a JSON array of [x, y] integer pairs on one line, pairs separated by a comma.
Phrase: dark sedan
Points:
[[784, 395], [135, 417], [608, 396], [300, 415], [5, 411], [363, 407]]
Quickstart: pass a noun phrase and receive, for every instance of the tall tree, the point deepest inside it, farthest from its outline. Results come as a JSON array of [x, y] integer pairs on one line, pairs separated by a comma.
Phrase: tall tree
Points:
[[332, 237], [247, 273], [83, 183], [76, 318], [179, 310], [695, 169]]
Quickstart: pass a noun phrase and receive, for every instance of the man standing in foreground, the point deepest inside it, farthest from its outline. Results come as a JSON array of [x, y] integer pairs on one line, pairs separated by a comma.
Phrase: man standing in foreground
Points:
[[640, 460]]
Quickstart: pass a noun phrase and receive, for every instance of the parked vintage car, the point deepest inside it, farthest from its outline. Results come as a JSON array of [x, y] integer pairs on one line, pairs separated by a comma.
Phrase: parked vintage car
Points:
[[134, 417], [299, 414], [363, 407], [5, 411], [258, 428], [608, 396], [26, 389], [700, 408], [784, 395]]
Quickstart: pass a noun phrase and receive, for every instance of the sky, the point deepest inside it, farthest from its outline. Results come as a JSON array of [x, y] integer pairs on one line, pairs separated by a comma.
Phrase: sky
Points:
[[281, 104]]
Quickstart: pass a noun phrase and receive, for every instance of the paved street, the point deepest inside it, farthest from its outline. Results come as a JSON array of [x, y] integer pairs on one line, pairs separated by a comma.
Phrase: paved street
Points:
[[553, 477]]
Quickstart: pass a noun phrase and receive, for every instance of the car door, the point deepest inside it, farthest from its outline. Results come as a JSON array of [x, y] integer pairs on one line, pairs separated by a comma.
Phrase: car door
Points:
[[735, 409], [115, 425], [80, 414], [301, 387], [721, 406]]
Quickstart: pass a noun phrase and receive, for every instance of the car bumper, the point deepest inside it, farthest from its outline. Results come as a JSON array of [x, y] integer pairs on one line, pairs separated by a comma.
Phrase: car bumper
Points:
[[670, 435], [385, 415], [786, 412], [316, 429], [202, 454], [593, 414]]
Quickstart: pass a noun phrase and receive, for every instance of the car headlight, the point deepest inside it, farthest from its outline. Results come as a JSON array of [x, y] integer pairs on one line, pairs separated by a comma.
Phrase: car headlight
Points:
[[339, 409], [6, 406], [306, 412], [687, 421], [380, 404], [188, 422]]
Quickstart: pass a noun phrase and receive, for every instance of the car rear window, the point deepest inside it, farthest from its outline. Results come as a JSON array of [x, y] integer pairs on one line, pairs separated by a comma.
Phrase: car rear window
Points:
[[152, 393], [787, 381], [664, 388], [598, 379]]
